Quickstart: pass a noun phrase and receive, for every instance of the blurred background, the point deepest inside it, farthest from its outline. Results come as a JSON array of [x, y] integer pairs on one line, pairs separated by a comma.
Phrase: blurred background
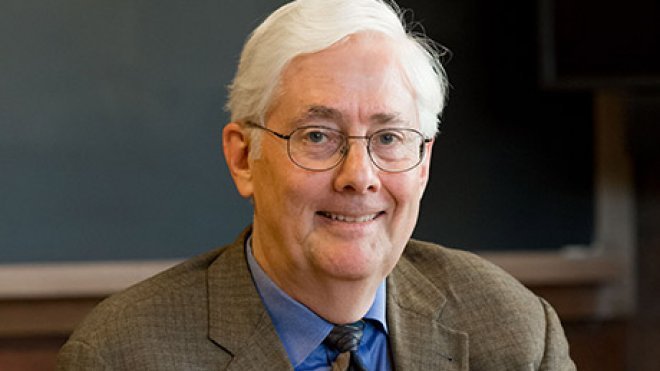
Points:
[[547, 162]]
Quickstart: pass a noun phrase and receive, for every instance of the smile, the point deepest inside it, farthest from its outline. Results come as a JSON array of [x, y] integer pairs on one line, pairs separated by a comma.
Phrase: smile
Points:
[[349, 219]]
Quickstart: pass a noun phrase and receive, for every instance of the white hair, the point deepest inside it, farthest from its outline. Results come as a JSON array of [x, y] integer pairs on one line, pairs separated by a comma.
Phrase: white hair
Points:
[[308, 26]]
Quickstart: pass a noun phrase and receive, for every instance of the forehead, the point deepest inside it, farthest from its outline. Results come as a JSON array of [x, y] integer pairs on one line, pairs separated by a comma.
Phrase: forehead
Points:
[[357, 79]]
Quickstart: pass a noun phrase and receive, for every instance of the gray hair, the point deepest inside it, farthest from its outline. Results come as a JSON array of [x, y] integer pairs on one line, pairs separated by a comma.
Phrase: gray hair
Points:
[[308, 26]]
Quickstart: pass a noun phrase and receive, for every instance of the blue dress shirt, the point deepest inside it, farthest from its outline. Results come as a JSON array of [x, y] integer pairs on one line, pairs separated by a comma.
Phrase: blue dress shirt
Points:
[[302, 331]]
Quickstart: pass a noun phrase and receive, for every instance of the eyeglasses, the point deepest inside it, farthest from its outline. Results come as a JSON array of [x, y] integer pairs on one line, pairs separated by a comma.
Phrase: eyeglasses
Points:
[[319, 148]]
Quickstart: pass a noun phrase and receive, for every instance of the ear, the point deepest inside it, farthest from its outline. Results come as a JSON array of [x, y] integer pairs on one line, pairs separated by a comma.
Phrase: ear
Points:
[[425, 167], [236, 147]]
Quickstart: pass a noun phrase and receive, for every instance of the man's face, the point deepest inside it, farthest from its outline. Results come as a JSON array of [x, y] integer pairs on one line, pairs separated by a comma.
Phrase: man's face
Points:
[[353, 221]]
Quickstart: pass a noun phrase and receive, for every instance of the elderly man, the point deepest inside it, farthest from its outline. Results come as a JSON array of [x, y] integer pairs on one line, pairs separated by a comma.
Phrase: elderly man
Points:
[[334, 110]]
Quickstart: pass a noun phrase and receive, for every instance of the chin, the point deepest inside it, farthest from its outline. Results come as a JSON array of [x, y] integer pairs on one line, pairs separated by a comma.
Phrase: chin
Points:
[[352, 267], [352, 274]]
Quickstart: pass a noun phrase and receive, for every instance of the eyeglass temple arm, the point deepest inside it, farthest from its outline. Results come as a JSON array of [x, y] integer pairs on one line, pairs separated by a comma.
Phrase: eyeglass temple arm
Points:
[[257, 126]]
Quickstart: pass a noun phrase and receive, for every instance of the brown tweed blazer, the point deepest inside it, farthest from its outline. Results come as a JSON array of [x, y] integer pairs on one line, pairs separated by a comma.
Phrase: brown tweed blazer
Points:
[[446, 310]]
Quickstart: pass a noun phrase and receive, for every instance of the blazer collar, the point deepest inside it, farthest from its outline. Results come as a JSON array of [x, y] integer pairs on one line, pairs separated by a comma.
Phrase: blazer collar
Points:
[[238, 321], [419, 339]]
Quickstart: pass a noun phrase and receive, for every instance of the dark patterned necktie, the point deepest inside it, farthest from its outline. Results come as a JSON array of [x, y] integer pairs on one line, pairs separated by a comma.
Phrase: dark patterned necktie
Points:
[[346, 339]]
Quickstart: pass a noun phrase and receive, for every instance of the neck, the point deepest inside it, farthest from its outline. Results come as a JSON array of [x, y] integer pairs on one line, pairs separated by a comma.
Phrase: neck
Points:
[[338, 302]]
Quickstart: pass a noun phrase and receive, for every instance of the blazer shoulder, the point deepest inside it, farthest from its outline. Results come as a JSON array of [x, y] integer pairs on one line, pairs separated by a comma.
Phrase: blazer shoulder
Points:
[[166, 311], [506, 323], [448, 266], [184, 278], [468, 279]]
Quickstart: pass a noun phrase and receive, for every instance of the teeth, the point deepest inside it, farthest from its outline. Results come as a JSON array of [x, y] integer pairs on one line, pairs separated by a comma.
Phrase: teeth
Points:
[[350, 219]]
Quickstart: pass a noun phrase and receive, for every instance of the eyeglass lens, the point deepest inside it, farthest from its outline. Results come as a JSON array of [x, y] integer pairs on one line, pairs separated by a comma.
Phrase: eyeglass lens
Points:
[[320, 148]]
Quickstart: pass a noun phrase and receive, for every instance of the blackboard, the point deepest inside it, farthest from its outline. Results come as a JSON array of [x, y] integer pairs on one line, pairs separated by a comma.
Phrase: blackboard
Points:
[[111, 114]]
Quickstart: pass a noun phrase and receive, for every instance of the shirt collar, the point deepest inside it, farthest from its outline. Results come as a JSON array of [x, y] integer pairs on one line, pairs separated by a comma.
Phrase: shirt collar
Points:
[[300, 329]]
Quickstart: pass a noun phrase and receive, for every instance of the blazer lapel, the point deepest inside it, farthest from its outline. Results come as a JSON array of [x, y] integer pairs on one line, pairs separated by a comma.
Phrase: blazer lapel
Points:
[[238, 321], [419, 340]]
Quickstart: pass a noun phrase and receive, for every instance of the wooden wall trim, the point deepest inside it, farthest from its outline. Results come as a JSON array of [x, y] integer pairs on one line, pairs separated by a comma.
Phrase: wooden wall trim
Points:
[[59, 280], [36, 318], [88, 279], [556, 269], [50, 299]]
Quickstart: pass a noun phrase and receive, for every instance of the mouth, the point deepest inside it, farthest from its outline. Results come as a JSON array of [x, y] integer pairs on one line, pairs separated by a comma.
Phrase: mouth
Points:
[[350, 218]]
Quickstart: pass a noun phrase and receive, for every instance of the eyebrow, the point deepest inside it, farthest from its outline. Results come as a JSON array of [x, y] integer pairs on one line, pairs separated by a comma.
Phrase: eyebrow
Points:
[[387, 118], [320, 112]]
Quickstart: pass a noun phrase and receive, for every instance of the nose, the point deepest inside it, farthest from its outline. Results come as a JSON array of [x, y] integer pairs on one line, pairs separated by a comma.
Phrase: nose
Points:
[[357, 173]]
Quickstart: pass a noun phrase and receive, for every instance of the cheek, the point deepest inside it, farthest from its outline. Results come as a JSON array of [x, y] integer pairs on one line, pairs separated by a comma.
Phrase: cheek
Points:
[[407, 190], [269, 185], [407, 196], [290, 192]]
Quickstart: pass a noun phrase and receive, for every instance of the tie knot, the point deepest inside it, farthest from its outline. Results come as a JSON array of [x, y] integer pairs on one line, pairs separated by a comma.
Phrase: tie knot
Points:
[[345, 338]]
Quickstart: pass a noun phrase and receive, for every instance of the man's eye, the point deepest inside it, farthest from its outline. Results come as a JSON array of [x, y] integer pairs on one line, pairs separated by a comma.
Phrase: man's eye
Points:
[[389, 138], [316, 136]]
